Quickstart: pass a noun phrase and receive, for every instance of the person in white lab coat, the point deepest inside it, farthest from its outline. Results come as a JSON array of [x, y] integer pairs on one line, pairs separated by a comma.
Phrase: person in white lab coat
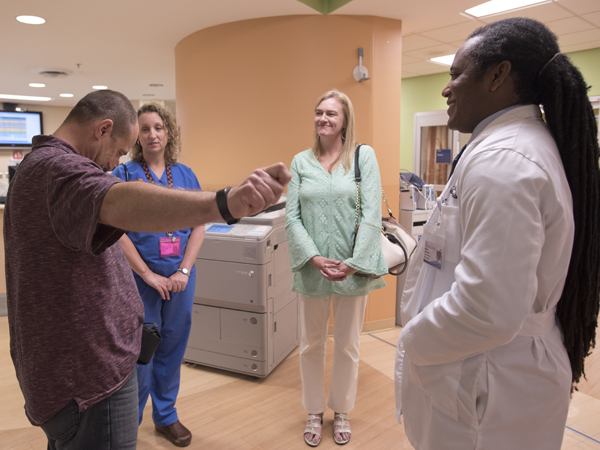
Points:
[[494, 340]]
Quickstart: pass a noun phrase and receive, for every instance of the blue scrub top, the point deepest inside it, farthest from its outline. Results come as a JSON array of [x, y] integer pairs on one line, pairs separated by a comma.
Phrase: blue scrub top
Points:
[[147, 244]]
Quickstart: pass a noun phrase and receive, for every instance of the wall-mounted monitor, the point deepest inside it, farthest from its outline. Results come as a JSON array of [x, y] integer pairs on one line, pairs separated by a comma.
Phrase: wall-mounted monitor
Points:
[[17, 128]]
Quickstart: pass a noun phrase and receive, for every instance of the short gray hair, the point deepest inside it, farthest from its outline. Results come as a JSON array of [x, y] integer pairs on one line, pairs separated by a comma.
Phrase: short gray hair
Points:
[[105, 104]]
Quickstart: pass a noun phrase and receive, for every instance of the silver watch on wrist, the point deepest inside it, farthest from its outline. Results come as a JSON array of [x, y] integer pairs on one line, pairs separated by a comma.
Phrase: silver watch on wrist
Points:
[[184, 271]]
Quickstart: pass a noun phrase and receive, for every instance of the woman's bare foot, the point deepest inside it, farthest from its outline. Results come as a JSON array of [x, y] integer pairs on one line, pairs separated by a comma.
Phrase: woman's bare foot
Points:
[[312, 432], [341, 428]]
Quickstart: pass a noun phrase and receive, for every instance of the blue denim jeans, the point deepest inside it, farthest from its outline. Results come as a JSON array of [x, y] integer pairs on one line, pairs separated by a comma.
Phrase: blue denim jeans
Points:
[[111, 424]]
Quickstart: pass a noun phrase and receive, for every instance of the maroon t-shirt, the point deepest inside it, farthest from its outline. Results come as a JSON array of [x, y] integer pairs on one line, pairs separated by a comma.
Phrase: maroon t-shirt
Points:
[[74, 310]]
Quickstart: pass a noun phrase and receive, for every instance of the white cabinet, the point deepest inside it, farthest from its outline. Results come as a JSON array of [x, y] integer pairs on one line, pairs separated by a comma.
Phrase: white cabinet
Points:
[[414, 221]]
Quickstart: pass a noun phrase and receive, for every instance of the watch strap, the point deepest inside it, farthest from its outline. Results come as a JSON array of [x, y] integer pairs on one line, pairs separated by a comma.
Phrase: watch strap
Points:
[[222, 205]]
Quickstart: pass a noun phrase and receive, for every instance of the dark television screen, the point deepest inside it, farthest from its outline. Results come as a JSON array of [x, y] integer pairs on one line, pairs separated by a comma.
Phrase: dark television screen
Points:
[[17, 128]]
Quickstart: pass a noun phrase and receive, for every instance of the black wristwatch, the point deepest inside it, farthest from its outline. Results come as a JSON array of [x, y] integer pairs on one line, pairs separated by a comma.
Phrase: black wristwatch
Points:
[[222, 205]]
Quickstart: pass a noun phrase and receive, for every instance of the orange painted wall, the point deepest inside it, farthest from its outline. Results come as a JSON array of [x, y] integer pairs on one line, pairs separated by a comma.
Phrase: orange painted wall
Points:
[[246, 93]]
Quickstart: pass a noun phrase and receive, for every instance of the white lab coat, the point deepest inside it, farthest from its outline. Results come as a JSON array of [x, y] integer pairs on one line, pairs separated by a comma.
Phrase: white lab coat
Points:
[[481, 363]]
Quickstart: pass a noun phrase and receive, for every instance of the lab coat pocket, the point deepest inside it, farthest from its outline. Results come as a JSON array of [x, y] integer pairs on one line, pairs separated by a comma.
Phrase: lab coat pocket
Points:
[[440, 382], [450, 220]]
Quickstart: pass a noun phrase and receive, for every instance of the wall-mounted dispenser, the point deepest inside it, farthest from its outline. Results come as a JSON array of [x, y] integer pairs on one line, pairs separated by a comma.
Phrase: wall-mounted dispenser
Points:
[[360, 72]]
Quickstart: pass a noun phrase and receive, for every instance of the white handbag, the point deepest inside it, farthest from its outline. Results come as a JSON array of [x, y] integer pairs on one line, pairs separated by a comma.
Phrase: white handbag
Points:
[[397, 245]]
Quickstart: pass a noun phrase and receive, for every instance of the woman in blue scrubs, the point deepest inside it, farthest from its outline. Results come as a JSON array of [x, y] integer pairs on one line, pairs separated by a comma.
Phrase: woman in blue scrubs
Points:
[[163, 266]]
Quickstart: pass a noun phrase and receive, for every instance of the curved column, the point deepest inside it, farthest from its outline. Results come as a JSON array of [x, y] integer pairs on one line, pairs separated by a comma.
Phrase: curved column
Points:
[[246, 93]]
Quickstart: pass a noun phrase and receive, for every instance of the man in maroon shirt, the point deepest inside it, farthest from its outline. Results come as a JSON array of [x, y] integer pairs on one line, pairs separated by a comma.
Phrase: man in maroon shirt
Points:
[[75, 314]]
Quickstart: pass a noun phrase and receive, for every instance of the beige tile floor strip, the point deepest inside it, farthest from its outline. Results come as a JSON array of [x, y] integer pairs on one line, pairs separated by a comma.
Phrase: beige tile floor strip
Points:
[[232, 411], [583, 424]]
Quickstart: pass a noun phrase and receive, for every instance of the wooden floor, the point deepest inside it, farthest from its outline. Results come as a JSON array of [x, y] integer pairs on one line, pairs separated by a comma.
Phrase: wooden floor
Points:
[[230, 411]]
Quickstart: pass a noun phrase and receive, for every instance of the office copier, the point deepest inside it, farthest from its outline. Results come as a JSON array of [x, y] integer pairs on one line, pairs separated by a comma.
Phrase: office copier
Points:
[[245, 317]]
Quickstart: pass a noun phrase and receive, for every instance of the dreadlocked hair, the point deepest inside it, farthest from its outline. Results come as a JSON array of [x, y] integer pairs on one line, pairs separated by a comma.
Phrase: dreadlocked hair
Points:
[[544, 76]]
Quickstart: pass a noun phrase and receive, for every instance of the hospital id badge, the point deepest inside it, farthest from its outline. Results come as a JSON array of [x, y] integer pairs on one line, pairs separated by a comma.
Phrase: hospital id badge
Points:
[[170, 246], [434, 248]]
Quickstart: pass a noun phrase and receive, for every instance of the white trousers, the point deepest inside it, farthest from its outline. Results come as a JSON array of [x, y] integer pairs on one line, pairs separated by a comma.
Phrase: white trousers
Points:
[[348, 315]]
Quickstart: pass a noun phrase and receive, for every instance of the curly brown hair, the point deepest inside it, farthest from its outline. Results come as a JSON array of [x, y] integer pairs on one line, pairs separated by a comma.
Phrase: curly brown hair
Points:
[[173, 148]]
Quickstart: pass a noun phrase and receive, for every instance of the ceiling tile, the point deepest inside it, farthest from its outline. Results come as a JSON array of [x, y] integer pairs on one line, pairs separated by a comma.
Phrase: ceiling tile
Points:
[[415, 42], [432, 52], [579, 38], [454, 32], [408, 59], [544, 13], [570, 25], [425, 68], [580, 6], [457, 44], [593, 18], [430, 28], [416, 16], [429, 22], [579, 47]]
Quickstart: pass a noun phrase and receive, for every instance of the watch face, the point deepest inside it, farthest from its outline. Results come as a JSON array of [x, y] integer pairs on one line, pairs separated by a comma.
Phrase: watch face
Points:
[[184, 271]]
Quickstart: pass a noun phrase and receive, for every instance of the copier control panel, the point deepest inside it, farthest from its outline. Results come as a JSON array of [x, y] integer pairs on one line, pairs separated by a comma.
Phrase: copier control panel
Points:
[[239, 230]]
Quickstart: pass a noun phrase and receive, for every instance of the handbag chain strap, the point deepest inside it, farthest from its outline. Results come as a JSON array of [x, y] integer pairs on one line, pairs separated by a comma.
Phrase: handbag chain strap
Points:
[[357, 179], [386, 204], [357, 213]]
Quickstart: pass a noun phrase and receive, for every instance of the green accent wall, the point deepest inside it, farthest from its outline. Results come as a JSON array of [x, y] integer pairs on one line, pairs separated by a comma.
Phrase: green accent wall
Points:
[[325, 6], [418, 94], [425, 94], [588, 61]]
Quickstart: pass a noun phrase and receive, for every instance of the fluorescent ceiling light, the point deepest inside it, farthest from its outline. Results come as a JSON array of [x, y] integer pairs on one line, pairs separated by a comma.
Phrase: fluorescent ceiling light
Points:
[[99, 87], [66, 95], [31, 20], [445, 60], [37, 85], [498, 6], [25, 97]]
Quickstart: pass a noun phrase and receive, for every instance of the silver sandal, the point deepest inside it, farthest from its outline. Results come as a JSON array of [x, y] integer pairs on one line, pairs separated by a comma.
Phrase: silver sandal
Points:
[[343, 421], [313, 428]]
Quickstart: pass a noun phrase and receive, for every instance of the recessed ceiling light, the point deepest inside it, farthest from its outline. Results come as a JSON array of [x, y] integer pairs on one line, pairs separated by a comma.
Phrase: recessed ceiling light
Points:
[[31, 20], [445, 60], [66, 95], [25, 97], [498, 6], [99, 87], [37, 85]]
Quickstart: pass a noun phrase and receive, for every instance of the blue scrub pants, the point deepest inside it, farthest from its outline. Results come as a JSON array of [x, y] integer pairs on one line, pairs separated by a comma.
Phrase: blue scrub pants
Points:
[[160, 378]]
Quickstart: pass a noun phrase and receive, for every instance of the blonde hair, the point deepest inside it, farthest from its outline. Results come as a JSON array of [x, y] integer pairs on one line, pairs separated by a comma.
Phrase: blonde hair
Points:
[[348, 133], [173, 148]]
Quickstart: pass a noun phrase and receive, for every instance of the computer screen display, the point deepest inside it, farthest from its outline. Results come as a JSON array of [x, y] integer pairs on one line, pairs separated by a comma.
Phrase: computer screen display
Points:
[[17, 128]]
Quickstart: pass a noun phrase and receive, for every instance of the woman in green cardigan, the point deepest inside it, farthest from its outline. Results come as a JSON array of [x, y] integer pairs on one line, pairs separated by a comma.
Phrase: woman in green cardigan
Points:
[[320, 221]]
